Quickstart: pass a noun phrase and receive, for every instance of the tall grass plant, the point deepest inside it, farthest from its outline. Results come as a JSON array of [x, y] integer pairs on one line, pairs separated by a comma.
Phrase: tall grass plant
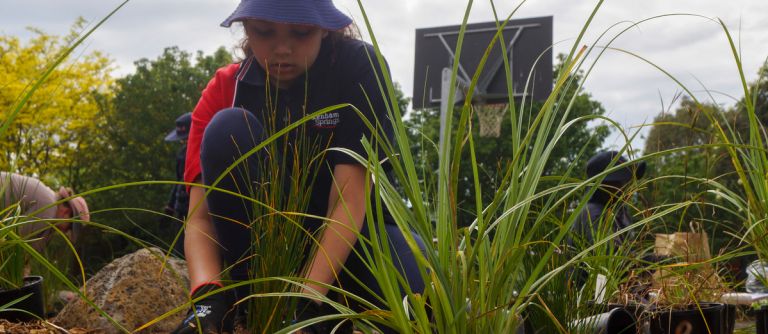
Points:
[[481, 278], [279, 228], [12, 255], [510, 263], [484, 278]]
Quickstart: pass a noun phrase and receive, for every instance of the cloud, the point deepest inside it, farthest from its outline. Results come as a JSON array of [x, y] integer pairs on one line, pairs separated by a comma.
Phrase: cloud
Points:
[[141, 29]]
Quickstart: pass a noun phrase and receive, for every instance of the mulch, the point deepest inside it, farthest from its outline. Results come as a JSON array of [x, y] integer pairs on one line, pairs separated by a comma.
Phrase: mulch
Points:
[[38, 327]]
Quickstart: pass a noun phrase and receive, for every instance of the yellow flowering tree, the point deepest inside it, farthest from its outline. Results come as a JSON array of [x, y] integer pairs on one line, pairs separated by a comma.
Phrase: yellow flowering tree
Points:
[[52, 134]]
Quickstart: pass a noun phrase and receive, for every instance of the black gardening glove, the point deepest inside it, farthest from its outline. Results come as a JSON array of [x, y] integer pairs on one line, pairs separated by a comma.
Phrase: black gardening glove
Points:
[[213, 313]]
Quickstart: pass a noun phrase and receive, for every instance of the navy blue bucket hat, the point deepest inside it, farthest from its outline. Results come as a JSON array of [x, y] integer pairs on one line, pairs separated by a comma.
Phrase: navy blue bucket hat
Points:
[[601, 161], [181, 132], [321, 13]]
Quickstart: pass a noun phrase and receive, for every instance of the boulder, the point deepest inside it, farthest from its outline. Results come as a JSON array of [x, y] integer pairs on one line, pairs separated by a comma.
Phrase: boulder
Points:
[[133, 290]]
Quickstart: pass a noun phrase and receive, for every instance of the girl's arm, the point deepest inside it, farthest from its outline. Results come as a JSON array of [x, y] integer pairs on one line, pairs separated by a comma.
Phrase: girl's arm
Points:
[[200, 248], [346, 211]]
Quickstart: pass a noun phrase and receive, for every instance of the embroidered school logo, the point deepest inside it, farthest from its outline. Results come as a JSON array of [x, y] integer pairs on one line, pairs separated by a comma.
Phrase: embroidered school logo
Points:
[[326, 121]]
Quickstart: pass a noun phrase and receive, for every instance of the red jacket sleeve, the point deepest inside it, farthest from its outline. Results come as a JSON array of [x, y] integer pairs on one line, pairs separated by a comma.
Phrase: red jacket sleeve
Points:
[[217, 95]]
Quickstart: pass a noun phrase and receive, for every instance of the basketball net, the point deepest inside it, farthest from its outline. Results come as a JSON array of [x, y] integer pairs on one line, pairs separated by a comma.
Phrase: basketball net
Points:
[[490, 116]]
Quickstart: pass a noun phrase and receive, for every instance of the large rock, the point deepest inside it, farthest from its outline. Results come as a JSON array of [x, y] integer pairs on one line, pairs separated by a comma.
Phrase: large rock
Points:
[[133, 290]]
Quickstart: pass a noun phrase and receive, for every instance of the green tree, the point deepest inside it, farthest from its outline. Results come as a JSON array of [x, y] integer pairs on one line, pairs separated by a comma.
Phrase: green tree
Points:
[[689, 142], [759, 91], [143, 111], [495, 153], [402, 100], [55, 132], [689, 134], [692, 137]]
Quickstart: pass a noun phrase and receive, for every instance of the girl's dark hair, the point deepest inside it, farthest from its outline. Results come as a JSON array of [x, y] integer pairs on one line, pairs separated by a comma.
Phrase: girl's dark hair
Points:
[[350, 32]]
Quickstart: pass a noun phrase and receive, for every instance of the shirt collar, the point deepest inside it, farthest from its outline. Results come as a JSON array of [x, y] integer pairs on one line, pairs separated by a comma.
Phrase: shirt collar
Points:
[[251, 73]]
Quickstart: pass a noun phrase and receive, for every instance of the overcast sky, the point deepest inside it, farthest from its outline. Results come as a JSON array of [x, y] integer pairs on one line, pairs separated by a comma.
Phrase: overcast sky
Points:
[[694, 49]]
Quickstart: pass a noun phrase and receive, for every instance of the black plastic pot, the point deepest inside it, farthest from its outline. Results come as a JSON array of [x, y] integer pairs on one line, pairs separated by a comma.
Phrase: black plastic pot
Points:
[[729, 318], [634, 309], [33, 304], [761, 320], [616, 321], [704, 318]]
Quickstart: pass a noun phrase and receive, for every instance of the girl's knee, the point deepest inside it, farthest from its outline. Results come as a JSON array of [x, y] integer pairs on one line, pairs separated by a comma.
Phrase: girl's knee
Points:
[[230, 133]]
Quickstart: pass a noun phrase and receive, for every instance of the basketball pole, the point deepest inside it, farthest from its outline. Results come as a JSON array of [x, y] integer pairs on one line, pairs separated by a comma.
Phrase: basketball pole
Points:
[[445, 89]]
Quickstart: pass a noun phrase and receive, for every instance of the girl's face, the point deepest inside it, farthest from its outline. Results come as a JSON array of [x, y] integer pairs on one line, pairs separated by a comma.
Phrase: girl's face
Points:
[[285, 51]]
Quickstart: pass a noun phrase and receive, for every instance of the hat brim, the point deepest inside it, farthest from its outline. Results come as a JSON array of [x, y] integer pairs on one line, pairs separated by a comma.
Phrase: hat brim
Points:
[[321, 14], [80, 209], [172, 136], [77, 204]]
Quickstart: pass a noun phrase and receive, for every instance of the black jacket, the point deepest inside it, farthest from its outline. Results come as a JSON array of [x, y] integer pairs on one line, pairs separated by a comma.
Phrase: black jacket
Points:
[[601, 206]]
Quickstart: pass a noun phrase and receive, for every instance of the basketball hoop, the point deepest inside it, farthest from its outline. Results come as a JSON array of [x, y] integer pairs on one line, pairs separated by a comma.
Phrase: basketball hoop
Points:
[[490, 116]]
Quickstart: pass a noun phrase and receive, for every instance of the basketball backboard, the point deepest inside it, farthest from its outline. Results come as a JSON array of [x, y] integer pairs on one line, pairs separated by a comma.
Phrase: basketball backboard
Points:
[[524, 39]]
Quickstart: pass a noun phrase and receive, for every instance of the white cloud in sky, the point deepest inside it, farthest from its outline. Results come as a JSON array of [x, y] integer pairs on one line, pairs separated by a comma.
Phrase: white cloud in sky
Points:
[[690, 48]]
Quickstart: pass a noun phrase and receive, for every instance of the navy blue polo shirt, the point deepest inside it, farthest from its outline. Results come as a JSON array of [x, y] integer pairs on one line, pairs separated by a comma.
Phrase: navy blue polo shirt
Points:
[[345, 71]]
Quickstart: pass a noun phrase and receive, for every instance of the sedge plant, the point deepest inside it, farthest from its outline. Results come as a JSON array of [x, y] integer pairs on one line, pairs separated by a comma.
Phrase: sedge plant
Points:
[[477, 277], [284, 184], [12, 255], [485, 278]]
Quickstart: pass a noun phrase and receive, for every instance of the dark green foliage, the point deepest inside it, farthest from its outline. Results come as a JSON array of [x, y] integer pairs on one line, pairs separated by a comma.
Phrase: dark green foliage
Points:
[[494, 154], [689, 128], [759, 90], [697, 156], [143, 111]]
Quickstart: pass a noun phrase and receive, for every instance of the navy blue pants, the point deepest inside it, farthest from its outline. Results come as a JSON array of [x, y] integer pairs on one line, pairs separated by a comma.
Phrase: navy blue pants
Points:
[[234, 131]]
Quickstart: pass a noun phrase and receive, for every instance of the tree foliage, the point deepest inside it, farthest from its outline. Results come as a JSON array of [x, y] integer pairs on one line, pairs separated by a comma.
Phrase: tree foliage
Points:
[[691, 152], [759, 98], [494, 153], [688, 139], [145, 106], [56, 130], [690, 133]]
